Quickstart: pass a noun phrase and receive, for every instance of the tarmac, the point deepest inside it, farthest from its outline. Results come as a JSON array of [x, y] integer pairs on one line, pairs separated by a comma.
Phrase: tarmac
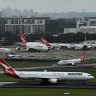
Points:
[[37, 84]]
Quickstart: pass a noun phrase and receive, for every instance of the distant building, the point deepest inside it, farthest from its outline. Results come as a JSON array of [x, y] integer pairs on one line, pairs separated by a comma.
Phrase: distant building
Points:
[[27, 25], [62, 25], [87, 24], [70, 30]]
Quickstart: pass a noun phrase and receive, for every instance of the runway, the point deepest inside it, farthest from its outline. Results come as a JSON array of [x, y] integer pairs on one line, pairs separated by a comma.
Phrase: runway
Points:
[[37, 84]]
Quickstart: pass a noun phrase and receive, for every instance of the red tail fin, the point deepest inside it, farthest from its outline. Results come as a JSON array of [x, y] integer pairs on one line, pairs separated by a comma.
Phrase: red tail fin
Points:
[[44, 41], [23, 39], [7, 69], [82, 57]]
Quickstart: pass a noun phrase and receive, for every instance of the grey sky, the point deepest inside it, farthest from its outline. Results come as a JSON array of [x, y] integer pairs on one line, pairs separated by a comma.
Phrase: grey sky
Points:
[[51, 5]]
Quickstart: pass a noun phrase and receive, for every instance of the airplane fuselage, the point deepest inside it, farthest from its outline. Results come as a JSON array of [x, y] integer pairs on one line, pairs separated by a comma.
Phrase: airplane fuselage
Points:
[[36, 46], [54, 75], [71, 61]]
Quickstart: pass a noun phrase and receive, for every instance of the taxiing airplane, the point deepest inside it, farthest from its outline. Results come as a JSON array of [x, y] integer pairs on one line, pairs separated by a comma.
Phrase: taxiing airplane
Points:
[[72, 61], [32, 46], [51, 77]]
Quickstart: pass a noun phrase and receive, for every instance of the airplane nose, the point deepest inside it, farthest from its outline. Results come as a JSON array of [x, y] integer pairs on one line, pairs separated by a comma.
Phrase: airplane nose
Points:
[[92, 77], [59, 62]]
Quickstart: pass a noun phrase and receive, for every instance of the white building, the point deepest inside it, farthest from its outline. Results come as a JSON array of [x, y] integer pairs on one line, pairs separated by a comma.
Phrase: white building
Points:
[[87, 25], [27, 25]]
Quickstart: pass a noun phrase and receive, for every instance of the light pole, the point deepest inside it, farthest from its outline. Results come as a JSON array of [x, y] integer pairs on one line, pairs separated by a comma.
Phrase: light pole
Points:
[[20, 24], [29, 35], [91, 50]]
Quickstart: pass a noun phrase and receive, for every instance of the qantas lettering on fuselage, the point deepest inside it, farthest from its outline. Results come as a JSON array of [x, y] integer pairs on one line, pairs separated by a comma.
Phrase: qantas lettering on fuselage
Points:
[[51, 77]]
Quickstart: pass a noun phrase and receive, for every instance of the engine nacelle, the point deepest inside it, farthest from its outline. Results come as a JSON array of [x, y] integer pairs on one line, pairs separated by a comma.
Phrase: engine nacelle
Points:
[[17, 48], [72, 64], [52, 80]]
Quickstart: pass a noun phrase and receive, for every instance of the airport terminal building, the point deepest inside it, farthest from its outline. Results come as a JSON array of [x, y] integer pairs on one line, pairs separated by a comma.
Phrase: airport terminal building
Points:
[[32, 25], [27, 25], [87, 24]]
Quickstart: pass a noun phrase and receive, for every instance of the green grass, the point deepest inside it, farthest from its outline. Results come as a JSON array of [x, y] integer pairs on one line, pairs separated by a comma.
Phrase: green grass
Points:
[[4, 77], [46, 92], [90, 61], [19, 64]]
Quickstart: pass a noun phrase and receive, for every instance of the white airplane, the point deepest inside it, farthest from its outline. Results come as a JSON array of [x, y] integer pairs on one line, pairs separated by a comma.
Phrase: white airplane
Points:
[[51, 77], [4, 50], [56, 45], [32, 46], [72, 61], [12, 55], [84, 45]]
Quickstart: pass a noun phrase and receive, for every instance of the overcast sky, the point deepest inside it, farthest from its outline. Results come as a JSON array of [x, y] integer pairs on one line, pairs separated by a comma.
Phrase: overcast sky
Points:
[[51, 5]]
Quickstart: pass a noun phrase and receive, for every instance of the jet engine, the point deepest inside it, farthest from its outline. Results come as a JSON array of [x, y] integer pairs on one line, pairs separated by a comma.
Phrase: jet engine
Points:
[[17, 48], [52, 80]]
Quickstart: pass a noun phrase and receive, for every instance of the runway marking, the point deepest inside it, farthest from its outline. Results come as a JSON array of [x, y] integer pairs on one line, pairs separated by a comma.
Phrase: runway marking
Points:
[[66, 93]]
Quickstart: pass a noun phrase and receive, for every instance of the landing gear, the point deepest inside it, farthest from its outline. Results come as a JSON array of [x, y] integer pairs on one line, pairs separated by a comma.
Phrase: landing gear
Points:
[[33, 50]]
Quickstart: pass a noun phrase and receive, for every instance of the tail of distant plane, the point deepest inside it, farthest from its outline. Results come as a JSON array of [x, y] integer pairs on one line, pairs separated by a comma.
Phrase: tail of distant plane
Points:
[[44, 41], [7, 69], [23, 39], [82, 57]]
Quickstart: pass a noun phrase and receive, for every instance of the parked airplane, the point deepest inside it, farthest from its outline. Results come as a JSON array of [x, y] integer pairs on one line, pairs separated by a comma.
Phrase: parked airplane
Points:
[[32, 46], [72, 61], [4, 50], [84, 45], [51, 77], [56, 45]]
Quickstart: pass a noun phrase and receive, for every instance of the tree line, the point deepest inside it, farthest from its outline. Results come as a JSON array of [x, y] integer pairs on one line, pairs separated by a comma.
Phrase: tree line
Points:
[[57, 38]]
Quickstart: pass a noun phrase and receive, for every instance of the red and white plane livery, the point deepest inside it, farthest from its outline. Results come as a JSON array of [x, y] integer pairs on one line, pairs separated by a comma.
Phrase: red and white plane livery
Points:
[[51, 77], [72, 61], [32, 46]]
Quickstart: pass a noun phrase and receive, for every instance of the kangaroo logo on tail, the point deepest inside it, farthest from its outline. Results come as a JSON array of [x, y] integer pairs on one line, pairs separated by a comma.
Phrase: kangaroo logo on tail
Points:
[[82, 57], [23, 39], [44, 41], [7, 69]]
